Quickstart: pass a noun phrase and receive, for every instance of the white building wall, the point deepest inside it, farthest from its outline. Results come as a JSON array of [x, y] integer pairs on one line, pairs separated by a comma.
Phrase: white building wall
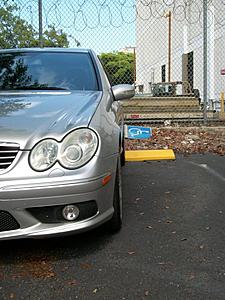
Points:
[[152, 49], [219, 54], [187, 36], [219, 62]]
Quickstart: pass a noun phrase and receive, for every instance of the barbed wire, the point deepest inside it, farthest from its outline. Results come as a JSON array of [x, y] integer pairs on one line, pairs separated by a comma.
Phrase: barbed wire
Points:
[[92, 14]]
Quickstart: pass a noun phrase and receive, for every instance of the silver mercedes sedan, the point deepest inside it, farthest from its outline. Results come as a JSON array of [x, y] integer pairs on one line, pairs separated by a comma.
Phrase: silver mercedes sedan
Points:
[[61, 143]]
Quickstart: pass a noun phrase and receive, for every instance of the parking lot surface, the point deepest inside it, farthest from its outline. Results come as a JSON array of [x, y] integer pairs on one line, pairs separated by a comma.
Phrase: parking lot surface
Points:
[[171, 245]]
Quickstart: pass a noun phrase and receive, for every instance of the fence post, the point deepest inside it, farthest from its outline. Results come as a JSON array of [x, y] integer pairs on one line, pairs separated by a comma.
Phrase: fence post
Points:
[[205, 59], [134, 66], [222, 102], [40, 23], [222, 112], [169, 45]]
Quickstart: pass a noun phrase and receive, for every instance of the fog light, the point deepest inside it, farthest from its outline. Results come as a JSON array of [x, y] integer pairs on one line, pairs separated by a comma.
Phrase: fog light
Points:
[[70, 212]]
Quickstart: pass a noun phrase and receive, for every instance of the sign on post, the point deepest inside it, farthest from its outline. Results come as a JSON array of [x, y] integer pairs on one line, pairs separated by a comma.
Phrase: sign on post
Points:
[[138, 132]]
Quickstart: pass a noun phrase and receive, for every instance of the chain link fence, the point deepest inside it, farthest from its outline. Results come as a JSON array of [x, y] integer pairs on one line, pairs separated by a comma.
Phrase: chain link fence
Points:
[[171, 50]]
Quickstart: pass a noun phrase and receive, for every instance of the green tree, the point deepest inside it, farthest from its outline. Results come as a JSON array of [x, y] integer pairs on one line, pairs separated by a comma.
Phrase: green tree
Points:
[[119, 66], [17, 33], [55, 38]]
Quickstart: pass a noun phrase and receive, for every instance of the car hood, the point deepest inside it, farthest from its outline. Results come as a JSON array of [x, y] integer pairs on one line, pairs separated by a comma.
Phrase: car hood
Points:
[[27, 117]]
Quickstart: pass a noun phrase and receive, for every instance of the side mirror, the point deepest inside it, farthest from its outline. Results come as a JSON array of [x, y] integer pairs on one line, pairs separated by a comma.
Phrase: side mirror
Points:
[[123, 91]]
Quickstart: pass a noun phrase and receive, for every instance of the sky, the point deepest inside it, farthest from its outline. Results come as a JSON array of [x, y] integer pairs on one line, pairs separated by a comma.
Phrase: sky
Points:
[[103, 25]]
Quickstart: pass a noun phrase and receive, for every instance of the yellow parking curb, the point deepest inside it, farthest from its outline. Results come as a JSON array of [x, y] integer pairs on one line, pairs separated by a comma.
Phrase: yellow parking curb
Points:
[[141, 155]]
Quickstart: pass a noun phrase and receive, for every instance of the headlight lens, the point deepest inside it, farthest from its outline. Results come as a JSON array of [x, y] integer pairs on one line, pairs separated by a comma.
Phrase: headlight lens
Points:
[[75, 150], [44, 155], [78, 148]]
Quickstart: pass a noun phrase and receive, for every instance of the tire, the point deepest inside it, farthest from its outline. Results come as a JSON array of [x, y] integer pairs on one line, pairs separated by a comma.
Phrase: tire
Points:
[[122, 156], [115, 223]]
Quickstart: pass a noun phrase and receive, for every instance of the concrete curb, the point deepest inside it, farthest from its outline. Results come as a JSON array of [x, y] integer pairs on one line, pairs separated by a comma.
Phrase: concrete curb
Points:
[[142, 155]]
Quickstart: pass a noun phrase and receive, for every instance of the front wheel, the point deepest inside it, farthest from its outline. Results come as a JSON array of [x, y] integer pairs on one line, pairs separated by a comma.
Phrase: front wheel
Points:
[[115, 223]]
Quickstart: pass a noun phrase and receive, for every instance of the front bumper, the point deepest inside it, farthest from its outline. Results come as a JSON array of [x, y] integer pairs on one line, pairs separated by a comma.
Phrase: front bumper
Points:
[[17, 199]]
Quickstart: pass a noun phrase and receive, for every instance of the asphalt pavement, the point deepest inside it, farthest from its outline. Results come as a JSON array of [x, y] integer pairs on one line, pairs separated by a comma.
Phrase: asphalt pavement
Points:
[[171, 245]]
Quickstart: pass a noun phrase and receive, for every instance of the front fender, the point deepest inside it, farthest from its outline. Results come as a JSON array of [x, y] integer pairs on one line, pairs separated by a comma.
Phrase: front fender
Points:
[[105, 122]]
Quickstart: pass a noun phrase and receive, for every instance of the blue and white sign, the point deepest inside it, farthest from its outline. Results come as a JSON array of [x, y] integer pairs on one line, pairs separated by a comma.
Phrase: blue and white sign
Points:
[[138, 132]]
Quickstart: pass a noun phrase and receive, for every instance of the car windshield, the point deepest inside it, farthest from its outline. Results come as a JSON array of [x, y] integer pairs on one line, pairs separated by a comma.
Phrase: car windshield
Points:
[[47, 70]]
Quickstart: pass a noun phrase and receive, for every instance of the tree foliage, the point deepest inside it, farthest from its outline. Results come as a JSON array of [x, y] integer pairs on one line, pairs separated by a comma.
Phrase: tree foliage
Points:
[[119, 66], [17, 33]]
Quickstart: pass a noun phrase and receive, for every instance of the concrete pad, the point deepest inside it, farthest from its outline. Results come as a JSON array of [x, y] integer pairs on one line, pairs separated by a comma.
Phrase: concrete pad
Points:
[[141, 155]]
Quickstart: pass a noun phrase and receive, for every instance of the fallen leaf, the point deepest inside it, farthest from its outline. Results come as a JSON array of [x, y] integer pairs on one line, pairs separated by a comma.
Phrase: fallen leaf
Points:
[[169, 221], [50, 274], [72, 282], [34, 266], [85, 266]]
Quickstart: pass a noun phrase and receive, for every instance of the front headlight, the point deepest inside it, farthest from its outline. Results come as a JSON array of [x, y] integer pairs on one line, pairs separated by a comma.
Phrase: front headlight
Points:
[[44, 155], [78, 148], [75, 150]]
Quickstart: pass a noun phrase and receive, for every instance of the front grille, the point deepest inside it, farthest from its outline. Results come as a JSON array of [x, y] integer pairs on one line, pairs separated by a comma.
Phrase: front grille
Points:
[[7, 222], [8, 152]]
